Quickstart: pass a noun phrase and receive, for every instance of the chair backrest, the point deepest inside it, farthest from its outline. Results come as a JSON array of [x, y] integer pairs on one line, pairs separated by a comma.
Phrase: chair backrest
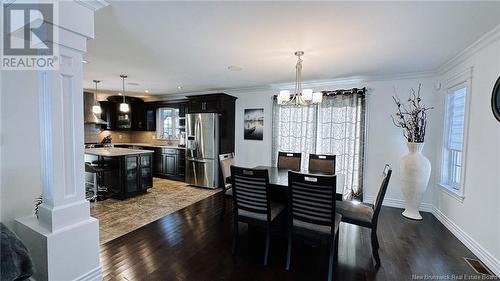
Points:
[[319, 163], [312, 198], [226, 161], [386, 176], [251, 190], [289, 160]]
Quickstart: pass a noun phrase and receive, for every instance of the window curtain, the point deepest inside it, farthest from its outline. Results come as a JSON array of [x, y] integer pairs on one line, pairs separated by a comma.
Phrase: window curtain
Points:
[[336, 126], [295, 130]]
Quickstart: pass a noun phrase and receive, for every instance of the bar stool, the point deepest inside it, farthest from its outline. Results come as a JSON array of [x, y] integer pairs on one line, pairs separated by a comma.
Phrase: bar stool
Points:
[[91, 169], [97, 170]]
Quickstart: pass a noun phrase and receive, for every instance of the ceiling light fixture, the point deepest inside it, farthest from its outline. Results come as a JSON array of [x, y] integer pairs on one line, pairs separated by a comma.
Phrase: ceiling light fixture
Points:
[[84, 61], [179, 87], [234, 68], [301, 96], [124, 107], [96, 109]]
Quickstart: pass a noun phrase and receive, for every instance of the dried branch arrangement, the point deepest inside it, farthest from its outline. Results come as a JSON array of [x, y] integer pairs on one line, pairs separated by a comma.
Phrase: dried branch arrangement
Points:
[[412, 118], [38, 202]]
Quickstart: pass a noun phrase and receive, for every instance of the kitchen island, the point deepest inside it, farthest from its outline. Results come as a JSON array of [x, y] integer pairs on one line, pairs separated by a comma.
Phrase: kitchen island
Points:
[[127, 172]]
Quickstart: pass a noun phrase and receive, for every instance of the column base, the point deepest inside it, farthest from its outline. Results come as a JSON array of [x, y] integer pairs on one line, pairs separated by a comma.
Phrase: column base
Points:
[[69, 253]]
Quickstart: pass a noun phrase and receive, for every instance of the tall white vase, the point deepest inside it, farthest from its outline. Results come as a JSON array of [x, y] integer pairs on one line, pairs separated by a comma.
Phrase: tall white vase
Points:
[[415, 171]]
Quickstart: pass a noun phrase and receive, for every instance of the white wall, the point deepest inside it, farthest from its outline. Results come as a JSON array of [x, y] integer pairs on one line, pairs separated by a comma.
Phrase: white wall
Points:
[[477, 218], [384, 142], [20, 181]]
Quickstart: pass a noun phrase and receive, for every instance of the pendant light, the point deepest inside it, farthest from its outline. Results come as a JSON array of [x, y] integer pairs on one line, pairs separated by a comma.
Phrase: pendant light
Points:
[[96, 109], [124, 107], [300, 97]]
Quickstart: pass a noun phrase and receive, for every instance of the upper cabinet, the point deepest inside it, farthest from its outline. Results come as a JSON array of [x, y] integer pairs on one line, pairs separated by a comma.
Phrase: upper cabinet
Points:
[[108, 114], [224, 105], [144, 116], [210, 103], [141, 116]]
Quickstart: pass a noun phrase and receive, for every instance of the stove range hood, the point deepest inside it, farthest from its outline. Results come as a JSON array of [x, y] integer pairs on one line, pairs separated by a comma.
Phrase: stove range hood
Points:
[[89, 117]]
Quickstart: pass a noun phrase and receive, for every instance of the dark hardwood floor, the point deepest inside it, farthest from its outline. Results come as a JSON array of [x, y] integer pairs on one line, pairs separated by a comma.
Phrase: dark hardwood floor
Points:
[[194, 244]]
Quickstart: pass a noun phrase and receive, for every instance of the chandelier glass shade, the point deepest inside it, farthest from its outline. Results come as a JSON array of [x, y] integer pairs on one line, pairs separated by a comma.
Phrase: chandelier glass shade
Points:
[[300, 96]]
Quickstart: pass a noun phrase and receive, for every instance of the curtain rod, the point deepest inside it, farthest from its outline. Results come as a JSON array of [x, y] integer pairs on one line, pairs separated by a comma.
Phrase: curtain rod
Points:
[[357, 91], [361, 91]]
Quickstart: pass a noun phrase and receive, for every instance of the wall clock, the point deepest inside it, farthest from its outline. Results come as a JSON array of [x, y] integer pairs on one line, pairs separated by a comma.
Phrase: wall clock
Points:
[[495, 100]]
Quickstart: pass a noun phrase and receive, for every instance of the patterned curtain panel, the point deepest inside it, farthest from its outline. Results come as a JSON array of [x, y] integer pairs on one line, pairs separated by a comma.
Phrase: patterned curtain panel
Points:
[[336, 126], [294, 130], [341, 126]]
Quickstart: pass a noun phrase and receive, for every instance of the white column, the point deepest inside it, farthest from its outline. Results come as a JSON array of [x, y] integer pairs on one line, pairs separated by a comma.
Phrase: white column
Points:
[[64, 239]]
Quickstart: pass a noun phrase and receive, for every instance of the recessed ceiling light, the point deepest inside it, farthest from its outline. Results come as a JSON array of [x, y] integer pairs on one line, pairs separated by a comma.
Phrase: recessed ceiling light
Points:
[[146, 91], [234, 68], [84, 61], [179, 87]]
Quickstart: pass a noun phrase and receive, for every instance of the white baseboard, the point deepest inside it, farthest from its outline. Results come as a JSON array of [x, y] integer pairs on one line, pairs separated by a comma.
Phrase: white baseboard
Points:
[[486, 257], [93, 275], [398, 203]]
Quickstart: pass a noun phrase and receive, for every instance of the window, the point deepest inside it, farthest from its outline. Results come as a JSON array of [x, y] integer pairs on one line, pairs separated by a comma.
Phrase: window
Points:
[[335, 127], [168, 123], [453, 138]]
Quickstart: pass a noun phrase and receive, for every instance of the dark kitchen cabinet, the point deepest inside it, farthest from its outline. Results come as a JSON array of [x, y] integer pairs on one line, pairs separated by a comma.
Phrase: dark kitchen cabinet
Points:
[[138, 173], [169, 163], [204, 105], [130, 174], [224, 105], [108, 114], [146, 171], [144, 117], [123, 119]]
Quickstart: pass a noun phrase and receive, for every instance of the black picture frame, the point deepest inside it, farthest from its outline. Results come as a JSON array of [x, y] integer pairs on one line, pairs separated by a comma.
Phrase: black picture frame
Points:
[[495, 100], [253, 124]]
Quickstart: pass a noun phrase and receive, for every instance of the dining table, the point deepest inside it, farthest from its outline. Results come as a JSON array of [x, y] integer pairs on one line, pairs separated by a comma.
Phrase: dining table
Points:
[[278, 181]]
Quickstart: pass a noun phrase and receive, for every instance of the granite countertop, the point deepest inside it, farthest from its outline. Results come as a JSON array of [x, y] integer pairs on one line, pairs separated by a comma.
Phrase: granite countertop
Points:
[[148, 145], [115, 151]]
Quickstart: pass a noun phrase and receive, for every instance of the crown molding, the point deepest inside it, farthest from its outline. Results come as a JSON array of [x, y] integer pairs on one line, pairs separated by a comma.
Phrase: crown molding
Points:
[[319, 85], [485, 40], [94, 5]]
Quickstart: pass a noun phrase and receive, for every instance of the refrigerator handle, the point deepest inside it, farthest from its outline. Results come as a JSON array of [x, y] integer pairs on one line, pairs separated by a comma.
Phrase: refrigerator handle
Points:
[[197, 137]]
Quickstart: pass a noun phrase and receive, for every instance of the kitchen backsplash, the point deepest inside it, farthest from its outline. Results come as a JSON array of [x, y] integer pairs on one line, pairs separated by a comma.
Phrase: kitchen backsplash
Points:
[[94, 134]]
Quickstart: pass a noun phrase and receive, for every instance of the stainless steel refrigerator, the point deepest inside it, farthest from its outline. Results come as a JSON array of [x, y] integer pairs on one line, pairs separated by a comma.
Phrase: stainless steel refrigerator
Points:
[[202, 149]]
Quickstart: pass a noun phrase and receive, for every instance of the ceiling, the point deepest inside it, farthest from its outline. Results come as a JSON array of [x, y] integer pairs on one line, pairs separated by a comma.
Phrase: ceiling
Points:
[[163, 45]]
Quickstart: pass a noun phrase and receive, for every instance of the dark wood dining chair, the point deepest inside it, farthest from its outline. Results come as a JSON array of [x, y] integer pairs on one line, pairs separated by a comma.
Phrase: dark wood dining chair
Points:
[[311, 212], [252, 204], [320, 163], [289, 160], [366, 215], [226, 161]]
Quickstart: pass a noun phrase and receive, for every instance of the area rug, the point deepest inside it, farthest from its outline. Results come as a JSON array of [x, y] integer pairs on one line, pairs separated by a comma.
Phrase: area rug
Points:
[[119, 217]]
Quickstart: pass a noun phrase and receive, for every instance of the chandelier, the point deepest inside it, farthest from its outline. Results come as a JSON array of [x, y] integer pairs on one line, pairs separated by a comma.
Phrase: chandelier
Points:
[[301, 96]]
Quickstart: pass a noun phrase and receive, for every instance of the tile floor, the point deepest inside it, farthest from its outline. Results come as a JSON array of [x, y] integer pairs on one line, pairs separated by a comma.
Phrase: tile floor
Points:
[[119, 217]]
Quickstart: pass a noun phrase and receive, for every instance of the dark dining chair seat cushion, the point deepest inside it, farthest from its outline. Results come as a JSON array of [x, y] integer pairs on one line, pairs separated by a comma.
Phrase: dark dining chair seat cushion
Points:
[[355, 211], [276, 209], [321, 229], [229, 190]]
